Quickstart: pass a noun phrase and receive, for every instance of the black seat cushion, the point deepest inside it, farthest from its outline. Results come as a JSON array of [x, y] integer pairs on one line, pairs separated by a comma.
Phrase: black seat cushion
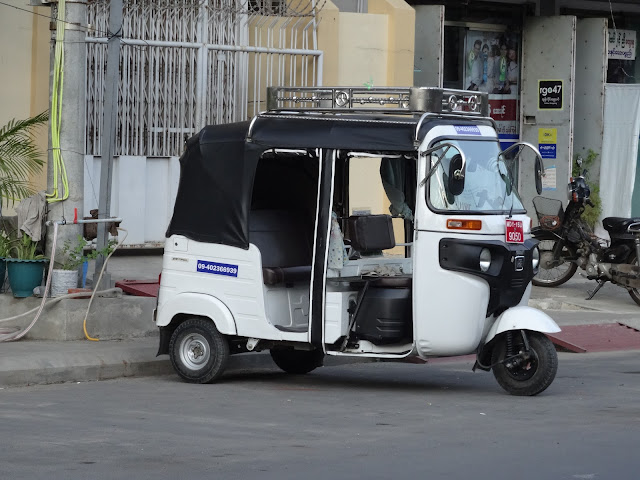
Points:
[[275, 275], [618, 224]]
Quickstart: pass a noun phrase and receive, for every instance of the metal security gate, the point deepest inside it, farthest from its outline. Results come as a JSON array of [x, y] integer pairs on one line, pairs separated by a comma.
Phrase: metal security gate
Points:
[[186, 64]]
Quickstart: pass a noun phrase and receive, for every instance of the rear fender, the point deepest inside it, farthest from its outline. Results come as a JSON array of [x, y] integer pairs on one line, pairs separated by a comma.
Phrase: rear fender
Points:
[[197, 304]]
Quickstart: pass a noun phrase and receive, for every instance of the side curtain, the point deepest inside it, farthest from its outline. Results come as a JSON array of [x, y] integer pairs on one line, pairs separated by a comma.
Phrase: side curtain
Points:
[[619, 150]]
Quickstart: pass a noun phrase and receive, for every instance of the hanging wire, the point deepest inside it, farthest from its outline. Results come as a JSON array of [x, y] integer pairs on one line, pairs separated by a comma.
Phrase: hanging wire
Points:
[[59, 168]]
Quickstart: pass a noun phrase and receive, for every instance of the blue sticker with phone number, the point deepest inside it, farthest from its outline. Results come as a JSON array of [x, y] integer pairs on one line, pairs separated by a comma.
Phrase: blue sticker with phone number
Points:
[[217, 268], [467, 130]]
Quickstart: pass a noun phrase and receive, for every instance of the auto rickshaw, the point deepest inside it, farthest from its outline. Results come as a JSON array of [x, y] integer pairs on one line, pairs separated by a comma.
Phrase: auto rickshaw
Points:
[[267, 248]]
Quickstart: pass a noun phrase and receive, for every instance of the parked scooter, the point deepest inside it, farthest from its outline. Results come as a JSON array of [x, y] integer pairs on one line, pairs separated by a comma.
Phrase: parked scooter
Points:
[[567, 242]]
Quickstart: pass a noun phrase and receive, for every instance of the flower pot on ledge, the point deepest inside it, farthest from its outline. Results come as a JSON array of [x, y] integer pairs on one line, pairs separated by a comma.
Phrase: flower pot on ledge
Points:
[[25, 275], [62, 281]]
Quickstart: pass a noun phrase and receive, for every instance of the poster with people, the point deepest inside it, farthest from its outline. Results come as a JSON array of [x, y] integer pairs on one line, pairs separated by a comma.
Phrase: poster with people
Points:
[[491, 66]]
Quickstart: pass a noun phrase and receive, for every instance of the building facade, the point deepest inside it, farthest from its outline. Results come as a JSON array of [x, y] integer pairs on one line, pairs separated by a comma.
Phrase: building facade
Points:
[[561, 74]]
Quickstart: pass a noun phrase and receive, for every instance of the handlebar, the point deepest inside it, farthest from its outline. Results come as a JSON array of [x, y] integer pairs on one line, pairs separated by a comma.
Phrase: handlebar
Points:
[[589, 202]]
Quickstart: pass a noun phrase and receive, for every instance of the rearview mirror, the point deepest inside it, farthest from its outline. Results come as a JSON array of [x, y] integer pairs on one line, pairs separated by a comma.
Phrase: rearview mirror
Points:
[[538, 173], [538, 168], [456, 175]]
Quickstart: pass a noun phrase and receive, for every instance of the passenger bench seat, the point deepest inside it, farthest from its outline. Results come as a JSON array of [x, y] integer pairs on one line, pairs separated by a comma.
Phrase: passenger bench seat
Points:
[[284, 243]]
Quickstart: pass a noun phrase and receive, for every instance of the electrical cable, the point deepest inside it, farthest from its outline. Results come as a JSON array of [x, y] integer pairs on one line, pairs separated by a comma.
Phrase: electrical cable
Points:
[[59, 168]]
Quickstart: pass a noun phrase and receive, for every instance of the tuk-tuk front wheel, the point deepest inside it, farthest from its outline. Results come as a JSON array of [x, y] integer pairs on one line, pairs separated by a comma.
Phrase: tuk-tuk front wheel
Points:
[[198, 352], [520, 372], [297, 361]]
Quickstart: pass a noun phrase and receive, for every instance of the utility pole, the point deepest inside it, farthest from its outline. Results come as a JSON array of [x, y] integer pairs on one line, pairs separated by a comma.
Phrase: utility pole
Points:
[[72, 124], [112, 80]]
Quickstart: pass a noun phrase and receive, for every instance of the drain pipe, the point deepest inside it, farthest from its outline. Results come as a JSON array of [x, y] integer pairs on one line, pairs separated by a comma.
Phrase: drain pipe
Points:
[[13, 333]]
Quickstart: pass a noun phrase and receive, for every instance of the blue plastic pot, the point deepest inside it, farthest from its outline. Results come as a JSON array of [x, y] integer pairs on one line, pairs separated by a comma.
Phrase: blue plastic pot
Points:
[[24, 275]]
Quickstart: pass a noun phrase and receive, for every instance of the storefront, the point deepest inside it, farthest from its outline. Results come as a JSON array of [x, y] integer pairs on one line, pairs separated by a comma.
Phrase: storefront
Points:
[[548, 67]]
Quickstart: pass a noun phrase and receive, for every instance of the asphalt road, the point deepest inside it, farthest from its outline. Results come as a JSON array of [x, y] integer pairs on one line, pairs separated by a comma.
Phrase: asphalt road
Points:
[[362, 421]]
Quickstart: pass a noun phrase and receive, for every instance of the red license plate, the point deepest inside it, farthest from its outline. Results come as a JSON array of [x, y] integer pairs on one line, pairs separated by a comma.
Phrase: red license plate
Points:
[[514, 231]]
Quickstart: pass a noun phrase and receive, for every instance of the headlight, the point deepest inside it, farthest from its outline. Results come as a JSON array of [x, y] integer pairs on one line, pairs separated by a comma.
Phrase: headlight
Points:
[[535, 258], [485, 259]]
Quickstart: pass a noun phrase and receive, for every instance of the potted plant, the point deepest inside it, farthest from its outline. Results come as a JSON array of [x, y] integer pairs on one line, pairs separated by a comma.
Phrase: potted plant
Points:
[[20, 158], [66, 276], [25, 266]]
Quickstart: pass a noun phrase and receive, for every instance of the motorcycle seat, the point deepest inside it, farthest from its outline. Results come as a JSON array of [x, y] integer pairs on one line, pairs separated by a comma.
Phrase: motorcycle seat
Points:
[[618, 224]]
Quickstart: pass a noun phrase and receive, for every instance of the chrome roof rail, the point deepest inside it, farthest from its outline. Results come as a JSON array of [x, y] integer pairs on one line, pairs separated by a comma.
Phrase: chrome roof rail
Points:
[[393, 100]]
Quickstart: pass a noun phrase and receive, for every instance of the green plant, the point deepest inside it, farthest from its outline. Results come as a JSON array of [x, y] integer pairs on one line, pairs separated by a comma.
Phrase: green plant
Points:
[[74, 253], [5, 244], [19, 157], [26, 249], [590, 214]]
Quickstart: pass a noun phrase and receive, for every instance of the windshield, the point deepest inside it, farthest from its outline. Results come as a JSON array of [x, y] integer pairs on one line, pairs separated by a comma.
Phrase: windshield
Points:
[[488, 186]]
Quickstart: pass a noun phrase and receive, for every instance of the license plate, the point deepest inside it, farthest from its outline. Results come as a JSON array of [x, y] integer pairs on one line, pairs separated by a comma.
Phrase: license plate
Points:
[[514, 231]]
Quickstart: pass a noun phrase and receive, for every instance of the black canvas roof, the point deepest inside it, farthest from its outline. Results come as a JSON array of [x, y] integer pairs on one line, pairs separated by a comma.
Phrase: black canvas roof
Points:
[[357, 132]]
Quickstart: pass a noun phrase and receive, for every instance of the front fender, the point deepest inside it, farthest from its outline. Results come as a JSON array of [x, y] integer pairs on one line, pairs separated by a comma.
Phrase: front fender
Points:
[[197, 304], [522, 318]]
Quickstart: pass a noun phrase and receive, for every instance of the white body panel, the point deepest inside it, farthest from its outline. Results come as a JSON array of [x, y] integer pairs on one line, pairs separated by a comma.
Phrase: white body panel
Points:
[[243, 296], [450, 311]]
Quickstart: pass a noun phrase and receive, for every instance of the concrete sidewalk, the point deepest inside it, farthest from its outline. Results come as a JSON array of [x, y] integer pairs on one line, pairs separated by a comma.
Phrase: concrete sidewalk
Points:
[[29, 362]]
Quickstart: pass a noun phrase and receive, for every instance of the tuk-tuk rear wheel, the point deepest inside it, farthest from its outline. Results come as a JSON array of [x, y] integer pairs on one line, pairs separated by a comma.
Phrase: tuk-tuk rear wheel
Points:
[[297, 362], [529, 377], [198, 352]]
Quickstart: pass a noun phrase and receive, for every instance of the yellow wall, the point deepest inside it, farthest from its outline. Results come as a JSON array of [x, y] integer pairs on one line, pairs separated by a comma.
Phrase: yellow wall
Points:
[[400, 40], [363, 52], [377, 45], [24, 69]]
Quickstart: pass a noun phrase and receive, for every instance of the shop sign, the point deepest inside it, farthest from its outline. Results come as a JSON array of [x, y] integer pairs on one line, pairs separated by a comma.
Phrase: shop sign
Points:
[[550, 94], [622, 45], [547, 142]]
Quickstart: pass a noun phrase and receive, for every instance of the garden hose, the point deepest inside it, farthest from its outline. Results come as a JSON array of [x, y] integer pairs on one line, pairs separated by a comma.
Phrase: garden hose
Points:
[[59, 169], [96, 283], [11, 334]]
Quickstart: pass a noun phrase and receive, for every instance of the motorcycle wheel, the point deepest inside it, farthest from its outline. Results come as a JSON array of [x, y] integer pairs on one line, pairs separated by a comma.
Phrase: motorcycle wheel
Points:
[[532, 377], [552, 276], [634, 292]]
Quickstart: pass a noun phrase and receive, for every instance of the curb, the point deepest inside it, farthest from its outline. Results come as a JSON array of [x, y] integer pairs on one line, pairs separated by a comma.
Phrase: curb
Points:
[[80, 363]]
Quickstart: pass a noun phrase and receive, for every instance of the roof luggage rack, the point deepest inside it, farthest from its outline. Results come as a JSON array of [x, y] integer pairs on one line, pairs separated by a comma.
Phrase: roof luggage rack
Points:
[[378, 99]]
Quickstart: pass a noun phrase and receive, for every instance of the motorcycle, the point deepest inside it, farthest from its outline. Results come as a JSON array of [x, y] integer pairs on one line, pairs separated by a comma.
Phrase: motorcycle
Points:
[[567, 242]]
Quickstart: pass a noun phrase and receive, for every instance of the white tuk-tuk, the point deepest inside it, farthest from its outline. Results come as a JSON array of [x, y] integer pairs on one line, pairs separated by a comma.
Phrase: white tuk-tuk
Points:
[[267, 250]]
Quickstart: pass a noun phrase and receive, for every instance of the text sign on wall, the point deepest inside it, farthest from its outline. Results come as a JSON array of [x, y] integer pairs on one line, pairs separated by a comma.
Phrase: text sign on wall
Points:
[[550, 94], [547, 142], [622, 45]]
